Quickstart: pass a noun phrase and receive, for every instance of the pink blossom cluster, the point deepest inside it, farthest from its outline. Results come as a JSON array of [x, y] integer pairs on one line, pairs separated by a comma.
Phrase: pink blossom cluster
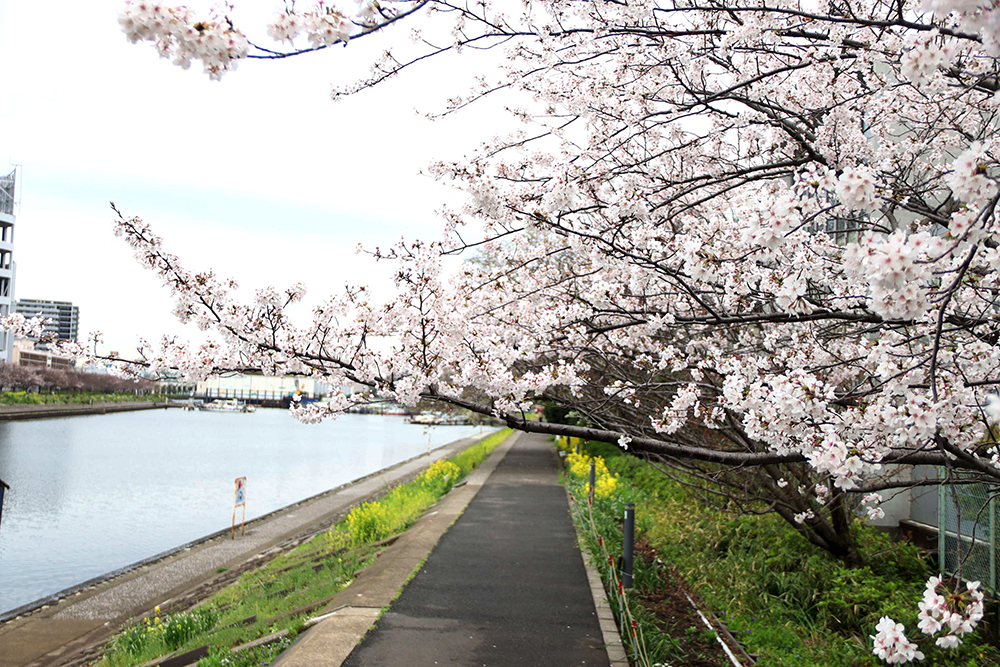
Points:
[[977, 16], [23, 327], [941, 610], [802, 517], [969, 179], [182, 37], [322, 25], [892, 645], [856, 189], [898, 270], [871, 502], [928, 53], [956, 614]]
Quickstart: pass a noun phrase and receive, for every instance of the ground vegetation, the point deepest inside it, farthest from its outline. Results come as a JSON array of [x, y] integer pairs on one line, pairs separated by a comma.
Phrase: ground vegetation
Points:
[[772, 596]]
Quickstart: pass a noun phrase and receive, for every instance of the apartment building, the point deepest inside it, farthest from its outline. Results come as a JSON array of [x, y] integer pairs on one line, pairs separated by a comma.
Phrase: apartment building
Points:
[[63, 316]]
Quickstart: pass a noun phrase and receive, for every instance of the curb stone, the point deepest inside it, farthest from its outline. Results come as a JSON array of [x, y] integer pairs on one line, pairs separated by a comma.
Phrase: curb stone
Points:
[[605, 616]]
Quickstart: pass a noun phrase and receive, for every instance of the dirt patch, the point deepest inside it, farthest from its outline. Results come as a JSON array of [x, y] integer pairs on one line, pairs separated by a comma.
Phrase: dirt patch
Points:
[[665, 598]]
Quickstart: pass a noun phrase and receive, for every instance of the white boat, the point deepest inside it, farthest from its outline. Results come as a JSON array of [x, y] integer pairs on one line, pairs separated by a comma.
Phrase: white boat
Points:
[[227, 405], [435, 419]]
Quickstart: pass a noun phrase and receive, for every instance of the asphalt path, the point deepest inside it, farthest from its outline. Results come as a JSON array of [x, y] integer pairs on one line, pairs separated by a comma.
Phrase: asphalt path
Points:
[[505, 586]]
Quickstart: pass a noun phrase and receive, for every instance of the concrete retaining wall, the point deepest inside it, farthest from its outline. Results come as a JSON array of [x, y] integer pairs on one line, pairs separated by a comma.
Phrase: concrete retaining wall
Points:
[[43, 411]]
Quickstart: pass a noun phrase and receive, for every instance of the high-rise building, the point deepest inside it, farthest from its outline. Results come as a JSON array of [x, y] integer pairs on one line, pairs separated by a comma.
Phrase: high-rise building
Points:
[[63, 316], [8, 198]]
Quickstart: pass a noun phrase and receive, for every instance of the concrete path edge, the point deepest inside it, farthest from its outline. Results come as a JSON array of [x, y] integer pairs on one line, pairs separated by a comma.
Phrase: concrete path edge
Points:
[[605, 616]]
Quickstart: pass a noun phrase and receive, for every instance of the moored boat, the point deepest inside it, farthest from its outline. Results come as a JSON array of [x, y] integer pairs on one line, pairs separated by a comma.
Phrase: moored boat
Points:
[[227, 405], [433, 419]]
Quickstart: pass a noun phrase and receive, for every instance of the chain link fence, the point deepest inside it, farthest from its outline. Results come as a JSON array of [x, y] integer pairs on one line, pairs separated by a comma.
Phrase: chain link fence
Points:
[[969, 516]]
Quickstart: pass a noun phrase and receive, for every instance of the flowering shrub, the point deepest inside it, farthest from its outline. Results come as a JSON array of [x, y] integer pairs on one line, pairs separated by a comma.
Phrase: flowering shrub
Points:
[[440, 477], [469, 458], [784, 599], [159, 634], [369, 522], [179, 628], [380, 518], [578, 465]]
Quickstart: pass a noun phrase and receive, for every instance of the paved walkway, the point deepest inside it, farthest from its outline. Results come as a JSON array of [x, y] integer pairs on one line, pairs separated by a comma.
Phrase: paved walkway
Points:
[[504, 586], [43, 637]]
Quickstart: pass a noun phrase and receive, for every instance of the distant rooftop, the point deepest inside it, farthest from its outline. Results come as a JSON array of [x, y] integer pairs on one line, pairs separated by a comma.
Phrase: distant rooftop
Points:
[[38, 302]]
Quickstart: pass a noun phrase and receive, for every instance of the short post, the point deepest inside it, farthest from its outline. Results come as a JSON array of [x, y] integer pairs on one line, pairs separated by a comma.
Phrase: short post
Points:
[[628, 544], [3, 487], [578, 448], [593, 475]]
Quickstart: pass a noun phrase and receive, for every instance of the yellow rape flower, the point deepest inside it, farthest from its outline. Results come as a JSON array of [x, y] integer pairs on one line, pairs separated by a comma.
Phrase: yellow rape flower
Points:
[[605, 482]]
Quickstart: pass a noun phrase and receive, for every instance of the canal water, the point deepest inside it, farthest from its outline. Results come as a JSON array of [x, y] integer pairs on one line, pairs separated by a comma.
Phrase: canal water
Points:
[[92, 494]]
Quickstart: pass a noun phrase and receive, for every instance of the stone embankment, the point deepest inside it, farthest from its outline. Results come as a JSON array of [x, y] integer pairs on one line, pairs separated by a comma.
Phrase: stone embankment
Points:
[[47, 410]]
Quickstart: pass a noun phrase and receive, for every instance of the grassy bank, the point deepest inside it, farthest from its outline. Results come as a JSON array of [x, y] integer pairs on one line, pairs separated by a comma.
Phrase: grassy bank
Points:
[[274, 601], [73, 398], [787, 602]]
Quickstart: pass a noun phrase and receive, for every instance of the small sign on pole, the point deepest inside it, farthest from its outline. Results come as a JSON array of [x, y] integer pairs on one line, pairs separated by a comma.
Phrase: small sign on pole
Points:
[[239, 500], [3, 487]]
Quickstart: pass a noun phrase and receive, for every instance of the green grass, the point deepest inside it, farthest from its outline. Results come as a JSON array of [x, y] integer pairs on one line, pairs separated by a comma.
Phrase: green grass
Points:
[[26, 398], [784, 599], [262, 655], [398, 508], [469, 459], [313, 571]]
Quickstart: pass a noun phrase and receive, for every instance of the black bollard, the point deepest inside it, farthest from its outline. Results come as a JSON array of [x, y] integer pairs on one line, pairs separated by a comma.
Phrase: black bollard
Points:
[[628, 544], [593, 475]]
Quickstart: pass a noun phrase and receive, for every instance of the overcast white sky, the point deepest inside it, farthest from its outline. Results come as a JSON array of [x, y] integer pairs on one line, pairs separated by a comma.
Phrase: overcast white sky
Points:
[[259, 176]]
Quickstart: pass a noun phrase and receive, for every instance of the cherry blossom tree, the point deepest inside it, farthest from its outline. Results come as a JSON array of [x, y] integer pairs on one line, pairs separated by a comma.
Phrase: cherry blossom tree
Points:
[[757, 241], [17, 378]]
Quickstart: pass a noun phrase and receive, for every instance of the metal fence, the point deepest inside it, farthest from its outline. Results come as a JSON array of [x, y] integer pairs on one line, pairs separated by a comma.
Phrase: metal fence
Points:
[[967, 536]]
